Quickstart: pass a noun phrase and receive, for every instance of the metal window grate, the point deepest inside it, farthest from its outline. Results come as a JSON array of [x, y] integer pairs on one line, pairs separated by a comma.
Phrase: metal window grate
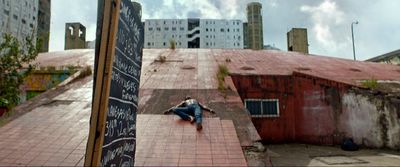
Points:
[[262, 107]]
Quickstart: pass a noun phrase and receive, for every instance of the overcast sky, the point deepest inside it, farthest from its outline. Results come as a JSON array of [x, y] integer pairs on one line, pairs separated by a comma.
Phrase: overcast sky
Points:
[[328, 21]]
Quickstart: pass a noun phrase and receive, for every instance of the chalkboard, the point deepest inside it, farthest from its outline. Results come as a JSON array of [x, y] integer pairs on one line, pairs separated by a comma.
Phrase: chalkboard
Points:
[[118, 148]]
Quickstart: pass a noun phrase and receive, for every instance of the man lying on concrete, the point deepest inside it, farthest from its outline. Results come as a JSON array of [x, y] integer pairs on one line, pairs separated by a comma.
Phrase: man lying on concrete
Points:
[[190, 110]]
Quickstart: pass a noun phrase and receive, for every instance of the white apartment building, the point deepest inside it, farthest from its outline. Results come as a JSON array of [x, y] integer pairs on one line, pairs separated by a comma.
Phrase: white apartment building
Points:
[[19, 18], [194, 33]]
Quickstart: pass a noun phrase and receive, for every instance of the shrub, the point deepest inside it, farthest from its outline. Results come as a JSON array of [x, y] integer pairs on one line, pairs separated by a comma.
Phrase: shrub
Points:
[[222, 73], [14, 55], [86, 71], [172, 44], [371, 83]]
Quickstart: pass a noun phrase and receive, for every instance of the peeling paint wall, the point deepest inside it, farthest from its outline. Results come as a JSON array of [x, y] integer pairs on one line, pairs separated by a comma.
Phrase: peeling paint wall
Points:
[[371, 120], [318, 111], [41, 81]]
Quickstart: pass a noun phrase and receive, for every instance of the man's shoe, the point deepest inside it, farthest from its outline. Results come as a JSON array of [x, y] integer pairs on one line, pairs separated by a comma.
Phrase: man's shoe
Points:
[[199, 126], [191, 119]]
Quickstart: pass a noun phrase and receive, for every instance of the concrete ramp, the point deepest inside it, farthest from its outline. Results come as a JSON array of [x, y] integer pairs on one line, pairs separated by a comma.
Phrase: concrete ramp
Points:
[[166, 140]]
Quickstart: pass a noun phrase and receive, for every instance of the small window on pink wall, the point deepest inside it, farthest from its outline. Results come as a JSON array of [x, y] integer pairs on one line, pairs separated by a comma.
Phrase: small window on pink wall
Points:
[[262, 107]]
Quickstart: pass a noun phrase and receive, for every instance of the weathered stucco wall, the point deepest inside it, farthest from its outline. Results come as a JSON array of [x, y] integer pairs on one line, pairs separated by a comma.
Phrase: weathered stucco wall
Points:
[[373, 121], [319, 111]]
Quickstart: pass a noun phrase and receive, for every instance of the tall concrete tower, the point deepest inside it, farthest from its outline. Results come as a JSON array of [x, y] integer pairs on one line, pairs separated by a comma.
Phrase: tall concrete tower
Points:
[[138, 8], [255, 26], [297, 40], [44, 24], [75, 36]]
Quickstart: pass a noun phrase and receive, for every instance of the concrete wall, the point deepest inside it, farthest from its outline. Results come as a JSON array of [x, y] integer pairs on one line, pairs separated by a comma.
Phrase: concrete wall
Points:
[[319, 111], [41, 81], [297, 40], [372, 121], [271, 129], [75, 36]]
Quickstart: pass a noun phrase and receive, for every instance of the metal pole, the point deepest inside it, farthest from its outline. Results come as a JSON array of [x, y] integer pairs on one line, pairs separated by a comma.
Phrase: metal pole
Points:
[[352, 37]]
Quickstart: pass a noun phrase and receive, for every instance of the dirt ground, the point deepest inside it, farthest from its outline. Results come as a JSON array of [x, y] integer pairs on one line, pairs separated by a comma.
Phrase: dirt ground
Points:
[[309, 155]]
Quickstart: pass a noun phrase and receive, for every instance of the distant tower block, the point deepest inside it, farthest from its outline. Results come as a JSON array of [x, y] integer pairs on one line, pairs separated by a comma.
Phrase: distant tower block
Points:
[[138, 8], [255, 37], [43, 29], [297, 40], [75, 36]]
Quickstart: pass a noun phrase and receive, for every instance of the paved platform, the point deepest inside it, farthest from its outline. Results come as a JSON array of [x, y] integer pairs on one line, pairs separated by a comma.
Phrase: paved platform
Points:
[[55, 134], [169, 141]]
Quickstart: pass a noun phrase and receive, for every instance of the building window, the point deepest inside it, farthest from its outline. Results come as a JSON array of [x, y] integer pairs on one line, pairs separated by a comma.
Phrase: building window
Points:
[[165, 44], [23, 21], [262, 107], [173, 28], [206, 29], [15, 17], [222, 30], [165, 22], [6, 12], [182, 29], [158, 29], [151, 29], [166, 28], [148, 44]]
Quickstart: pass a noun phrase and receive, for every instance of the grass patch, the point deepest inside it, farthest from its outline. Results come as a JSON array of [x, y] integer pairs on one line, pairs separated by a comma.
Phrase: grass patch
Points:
[[222, 73], [5, 118], [370, 84], [86, 71]]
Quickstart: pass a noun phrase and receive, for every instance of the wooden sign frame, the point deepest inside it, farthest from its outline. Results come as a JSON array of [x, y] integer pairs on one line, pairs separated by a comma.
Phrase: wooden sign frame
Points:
[[105, 48]]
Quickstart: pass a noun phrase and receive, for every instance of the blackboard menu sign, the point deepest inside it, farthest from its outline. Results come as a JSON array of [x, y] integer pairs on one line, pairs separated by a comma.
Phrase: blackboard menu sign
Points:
[[120, 128]]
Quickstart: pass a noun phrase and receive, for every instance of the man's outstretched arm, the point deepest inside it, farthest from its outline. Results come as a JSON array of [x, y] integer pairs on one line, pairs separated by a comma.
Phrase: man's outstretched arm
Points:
[[170, 109], [206, 108]]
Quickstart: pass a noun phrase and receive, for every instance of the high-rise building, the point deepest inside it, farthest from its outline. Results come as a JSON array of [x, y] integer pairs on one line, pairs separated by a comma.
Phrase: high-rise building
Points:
[[44, 24], [255, 37], [245, 36], [138, 8], [19, 18], [75, 36], [194, 33], [297, 40]]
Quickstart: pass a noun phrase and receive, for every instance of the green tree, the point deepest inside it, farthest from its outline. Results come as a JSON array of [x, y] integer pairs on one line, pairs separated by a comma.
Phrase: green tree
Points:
[[15, 59]]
